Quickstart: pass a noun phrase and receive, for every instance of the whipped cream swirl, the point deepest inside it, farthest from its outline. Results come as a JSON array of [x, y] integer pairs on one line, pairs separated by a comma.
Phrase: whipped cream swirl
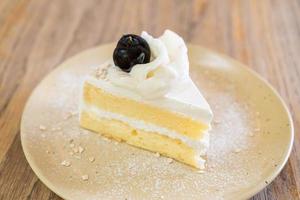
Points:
[[168, 68]]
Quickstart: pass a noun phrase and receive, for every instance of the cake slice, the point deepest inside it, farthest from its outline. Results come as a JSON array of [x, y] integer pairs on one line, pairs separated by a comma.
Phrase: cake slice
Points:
[[147, 99]]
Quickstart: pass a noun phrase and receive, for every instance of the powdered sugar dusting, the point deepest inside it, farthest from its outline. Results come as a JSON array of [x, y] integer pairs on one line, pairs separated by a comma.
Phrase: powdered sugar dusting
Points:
[[85, 165]]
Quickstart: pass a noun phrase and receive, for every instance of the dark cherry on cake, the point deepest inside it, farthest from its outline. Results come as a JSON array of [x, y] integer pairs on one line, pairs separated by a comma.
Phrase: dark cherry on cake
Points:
[[131, 50]]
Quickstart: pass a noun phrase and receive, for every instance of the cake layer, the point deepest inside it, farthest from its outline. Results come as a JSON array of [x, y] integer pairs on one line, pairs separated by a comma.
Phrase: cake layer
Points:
[[151, 141], [189, 127], [186, 99], [200, 145]]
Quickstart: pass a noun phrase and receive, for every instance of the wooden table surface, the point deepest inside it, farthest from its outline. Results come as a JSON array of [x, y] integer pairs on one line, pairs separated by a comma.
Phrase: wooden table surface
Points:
[[35, 36]]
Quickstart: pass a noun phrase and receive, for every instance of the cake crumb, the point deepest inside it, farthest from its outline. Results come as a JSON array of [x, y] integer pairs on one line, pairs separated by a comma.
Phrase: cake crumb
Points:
[[91, 159], [65, 163], [72, 145], [169, 160], [157, 155], [237, 150], [98, 73], [70, 114], [101, 71], [56, 129], [47, 151], [78, 157], [251, 134], [257, 129], [43, 128], [200, 171], [80, 149], [75, 150], [71, 153], [85, 177], [73, 113]]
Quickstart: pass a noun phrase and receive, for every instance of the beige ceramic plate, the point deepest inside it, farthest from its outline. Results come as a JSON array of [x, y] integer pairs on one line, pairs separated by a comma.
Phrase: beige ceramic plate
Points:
[[251, 138]]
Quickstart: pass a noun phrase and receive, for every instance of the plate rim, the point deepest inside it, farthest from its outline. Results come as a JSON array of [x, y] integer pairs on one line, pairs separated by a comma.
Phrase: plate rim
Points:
[[248, 194], [280, 167]]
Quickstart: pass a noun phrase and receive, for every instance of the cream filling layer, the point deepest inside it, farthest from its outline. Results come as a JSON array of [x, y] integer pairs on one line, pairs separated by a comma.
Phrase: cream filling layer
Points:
[[200, 146]]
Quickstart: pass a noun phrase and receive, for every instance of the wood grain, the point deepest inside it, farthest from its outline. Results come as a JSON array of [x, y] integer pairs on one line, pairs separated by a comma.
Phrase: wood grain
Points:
[[35, 36]]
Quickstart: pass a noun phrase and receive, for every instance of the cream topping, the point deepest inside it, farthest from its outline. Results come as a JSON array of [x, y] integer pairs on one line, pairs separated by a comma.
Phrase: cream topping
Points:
[[164, 82], [168, 69]]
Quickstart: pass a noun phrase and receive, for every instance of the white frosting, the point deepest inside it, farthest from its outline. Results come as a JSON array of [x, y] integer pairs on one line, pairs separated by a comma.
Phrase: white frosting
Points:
[[164, 82], [169, 88], [200, 146], [168, 69]]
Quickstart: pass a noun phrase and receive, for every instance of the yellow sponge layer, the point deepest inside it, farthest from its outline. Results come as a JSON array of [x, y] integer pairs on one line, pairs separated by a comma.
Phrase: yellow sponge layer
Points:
[[133, 109], [151, 141]]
